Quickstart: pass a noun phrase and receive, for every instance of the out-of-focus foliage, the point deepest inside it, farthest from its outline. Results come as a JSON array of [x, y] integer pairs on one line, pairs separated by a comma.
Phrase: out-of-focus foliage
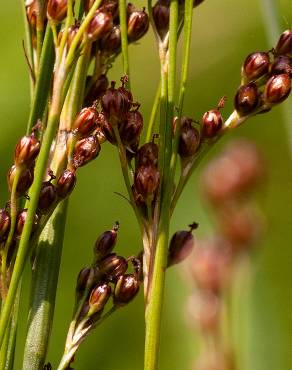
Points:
[[224, 33]]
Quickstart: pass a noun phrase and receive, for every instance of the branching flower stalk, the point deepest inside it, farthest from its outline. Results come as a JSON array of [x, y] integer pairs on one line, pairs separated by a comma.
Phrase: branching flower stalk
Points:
[[71, 47]]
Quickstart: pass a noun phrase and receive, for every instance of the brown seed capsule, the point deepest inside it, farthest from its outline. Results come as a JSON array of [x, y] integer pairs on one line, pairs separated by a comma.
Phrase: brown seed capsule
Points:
[[47, 197], [72, 31], [256, 65], [212, 123], [138, 24], [284, 45], [277, 89], [126, 289], [83, 280], [99, 26], [189, 139], [146, 181], [85, 122], [96, 90], [66, 183], [246, 99], [107, 129], [85, 151], [111, 42], [4, 223], [25, 180], [160, 13], [21, 218], [181, 245], [57, 9], [147, 155], [128, 97], [98, 298], [131, 128], [26, 150], [111, 7], [106, 242], [115, 104], [282, 65], [112, 266]]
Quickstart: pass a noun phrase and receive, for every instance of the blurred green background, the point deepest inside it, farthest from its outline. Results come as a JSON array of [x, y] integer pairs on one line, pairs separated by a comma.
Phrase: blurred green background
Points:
[[224, 33]]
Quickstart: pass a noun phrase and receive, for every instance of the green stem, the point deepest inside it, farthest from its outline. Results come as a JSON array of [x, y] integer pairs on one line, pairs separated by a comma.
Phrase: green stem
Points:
[[150, 128], [124, 39], [44, 75], [44, 287], [40, 168], [154, 308]]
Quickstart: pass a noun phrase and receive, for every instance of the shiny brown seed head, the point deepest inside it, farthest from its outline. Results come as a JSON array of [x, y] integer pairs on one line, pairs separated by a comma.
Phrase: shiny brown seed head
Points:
[[111, 43], [85, 151], [106, 242], [147, 155], [212, 122], [284, 45], [99, 26], [57, 9], [112, 266], [25, 180], [282, 65], [146, 181], [96, 90], [83, 281], [107, 129], [131, 128], [98, 298], [85, 122], [126, 289], [26, 150], [246, 99], [160, 13], [115, 104], [4, 223], [72, 31], [66, 183], [138, 24], [256, 65], [189, 141], [21, 218], [47, 197], [277, 89]]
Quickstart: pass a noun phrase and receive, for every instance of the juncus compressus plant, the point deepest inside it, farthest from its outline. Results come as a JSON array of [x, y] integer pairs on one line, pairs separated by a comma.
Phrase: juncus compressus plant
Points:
[[75, 109]]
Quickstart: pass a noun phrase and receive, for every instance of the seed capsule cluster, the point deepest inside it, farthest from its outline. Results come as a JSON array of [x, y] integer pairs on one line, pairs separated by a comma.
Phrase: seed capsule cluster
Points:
[[228, 183], [266, 78]]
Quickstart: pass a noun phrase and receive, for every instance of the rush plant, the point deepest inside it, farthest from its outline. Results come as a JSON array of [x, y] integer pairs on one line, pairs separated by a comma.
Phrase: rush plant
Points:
[[75, 108]]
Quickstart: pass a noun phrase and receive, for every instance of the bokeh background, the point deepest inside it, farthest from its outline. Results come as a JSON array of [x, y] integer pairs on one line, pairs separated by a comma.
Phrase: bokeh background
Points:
[[224, 33]]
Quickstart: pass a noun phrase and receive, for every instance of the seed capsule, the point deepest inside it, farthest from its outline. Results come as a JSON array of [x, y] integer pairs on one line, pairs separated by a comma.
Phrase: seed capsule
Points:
[[246, 99], [147, 155], [126, 289], [96, 90], [212, 123], [138, 24], [4, 223], [99, 26], [114, 104], [132, 127], [21, 218], [82, 281], [189, 139], [112, 266], [160, 13], [106, 242], [107, 129], [277, 89], [98, 298], [147, 181], [57, 9], [284, 45], [256, 65], [111, 7], [282, 65], [47, 197], [85, 151], [181, 245], [85, 122], [111, 42], [25, 180], [26, 150], [66, 183], [72, 31]]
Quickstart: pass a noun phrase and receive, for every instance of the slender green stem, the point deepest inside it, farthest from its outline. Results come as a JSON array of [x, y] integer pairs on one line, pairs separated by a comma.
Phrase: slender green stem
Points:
[[271, 18], [40, 168], [151, 124], [154, 307], [44, 75], [124, 39]]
